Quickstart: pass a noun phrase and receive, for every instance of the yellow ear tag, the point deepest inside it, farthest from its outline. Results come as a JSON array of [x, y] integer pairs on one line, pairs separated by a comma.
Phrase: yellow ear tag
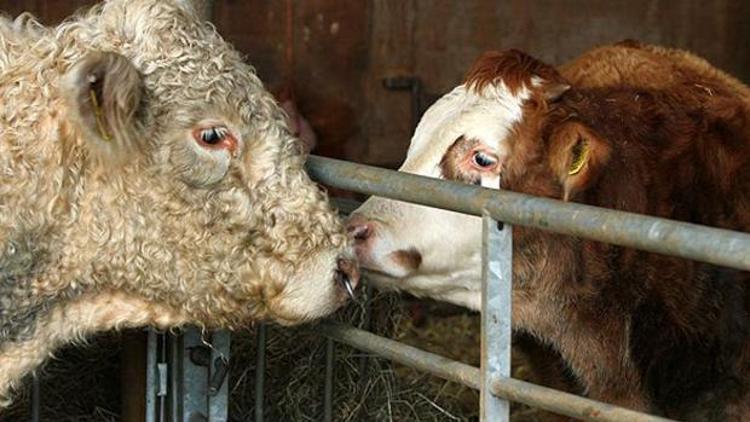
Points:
[[99, 116], [580, 156]]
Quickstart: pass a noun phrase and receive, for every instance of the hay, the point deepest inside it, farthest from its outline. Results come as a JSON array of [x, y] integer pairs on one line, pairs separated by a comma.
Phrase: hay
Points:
[[80, 385], [365, 388]]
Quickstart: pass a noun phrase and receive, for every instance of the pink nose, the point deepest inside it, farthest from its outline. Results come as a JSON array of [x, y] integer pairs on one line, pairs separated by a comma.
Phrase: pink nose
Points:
[[359, 228]]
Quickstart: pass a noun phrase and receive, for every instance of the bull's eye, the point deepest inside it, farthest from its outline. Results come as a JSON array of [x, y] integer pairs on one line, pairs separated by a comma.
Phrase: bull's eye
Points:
[[213, 135], [483, 160]]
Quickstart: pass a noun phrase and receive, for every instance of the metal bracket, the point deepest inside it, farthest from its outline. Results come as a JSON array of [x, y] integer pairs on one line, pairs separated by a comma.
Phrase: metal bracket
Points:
[[412, 84], [186, 377]]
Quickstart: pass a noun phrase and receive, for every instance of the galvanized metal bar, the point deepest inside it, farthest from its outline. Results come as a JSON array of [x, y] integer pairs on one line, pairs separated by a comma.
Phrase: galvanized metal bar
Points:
[[497, 254], [170, 371], [364, 361], [403, 354], [691, 241], [566, 404], [218, 387], [506, 388], [328, 390], [260, 370], [193, 376], [151, 376], [35, 399]]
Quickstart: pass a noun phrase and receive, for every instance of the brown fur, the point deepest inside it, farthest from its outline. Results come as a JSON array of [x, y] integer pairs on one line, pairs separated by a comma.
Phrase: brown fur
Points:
[[645, 331], [409, 259], [514, 68]]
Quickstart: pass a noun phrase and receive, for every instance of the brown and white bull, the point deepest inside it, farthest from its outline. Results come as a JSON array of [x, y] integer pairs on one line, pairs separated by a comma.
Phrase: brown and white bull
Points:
[[641, 330], [146, 177]]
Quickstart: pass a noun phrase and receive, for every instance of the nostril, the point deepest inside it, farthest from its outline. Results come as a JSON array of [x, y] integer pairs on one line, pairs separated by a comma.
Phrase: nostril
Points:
[[360, 232], [359, 227]]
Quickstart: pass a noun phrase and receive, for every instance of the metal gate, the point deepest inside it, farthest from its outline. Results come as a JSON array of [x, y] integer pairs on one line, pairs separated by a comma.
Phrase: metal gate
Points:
[[685, 240], [186, 375]]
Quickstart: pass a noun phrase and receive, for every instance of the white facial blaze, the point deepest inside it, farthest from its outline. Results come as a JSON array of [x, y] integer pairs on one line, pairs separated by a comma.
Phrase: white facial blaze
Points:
[[450, 243], [487, 117]]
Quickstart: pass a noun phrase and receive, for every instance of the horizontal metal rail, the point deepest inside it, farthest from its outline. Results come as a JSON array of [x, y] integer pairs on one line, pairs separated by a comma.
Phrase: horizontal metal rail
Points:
[[506, 388], [685, 240]]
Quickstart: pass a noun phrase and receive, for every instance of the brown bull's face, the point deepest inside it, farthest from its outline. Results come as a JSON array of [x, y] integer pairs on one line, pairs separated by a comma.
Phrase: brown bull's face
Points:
[[428, 251], [468, 136], [197, 194]]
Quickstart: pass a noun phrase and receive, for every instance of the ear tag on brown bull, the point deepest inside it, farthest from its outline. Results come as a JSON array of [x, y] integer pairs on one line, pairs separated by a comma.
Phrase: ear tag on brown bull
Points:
[[99, 116], [580, 156]]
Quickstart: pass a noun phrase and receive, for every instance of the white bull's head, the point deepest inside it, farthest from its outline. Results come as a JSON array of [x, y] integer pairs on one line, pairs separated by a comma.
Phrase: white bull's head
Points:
[[165, 168]]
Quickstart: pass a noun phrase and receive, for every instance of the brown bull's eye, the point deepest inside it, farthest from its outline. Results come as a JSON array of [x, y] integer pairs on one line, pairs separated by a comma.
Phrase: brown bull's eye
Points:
[[213, 135], [483, 160]]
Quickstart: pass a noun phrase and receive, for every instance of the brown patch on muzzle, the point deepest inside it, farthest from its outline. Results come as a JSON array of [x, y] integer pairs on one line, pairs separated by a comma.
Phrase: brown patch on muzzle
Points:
[[408, 259]]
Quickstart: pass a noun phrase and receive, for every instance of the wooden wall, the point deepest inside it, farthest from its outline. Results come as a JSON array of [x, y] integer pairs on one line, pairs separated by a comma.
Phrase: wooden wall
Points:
[[334, 54]]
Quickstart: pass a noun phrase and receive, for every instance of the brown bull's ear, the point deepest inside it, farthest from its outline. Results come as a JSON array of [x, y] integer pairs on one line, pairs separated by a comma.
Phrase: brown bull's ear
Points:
[[553, 90], [577, 155], [103, 93]]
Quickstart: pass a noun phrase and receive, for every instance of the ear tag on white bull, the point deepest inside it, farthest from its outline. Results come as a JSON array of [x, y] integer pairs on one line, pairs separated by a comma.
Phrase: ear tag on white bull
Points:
[[99, 116], [491, 181]]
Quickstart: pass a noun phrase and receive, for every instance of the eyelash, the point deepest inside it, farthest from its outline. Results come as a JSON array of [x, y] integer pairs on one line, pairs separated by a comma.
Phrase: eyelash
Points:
[[213, 135], [483, 161]]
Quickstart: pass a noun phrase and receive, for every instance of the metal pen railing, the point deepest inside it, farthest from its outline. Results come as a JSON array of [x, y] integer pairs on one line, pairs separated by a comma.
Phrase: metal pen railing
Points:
[[690, 241], [684, 240]]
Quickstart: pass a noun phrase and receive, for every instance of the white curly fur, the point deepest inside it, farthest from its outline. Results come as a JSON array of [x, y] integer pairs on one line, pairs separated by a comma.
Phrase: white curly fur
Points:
[[169, 247]]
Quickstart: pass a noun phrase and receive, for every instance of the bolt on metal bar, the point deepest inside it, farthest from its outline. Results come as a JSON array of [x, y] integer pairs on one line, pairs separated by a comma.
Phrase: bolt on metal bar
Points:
[[506, 388], [328, 390], [260, 370], [685, 240], [497, 254]]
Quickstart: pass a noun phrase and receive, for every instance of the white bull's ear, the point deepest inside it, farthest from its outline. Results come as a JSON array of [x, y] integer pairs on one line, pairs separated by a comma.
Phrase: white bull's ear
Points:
[[103, 93]]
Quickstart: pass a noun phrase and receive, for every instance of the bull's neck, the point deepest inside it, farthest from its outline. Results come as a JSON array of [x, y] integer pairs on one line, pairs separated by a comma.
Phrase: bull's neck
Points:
[[594, 348], [73, 319]]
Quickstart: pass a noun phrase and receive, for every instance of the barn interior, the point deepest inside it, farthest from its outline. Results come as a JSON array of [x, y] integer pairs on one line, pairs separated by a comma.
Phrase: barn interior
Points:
[[361, 73]]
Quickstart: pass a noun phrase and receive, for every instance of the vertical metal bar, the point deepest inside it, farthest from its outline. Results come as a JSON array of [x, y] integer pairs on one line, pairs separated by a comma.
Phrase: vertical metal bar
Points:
[[218, 402], [193, 378], [169, 405], [151, 376], [328, 394], [35, 399], [497, 251], [366, 325], [260, 370]]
